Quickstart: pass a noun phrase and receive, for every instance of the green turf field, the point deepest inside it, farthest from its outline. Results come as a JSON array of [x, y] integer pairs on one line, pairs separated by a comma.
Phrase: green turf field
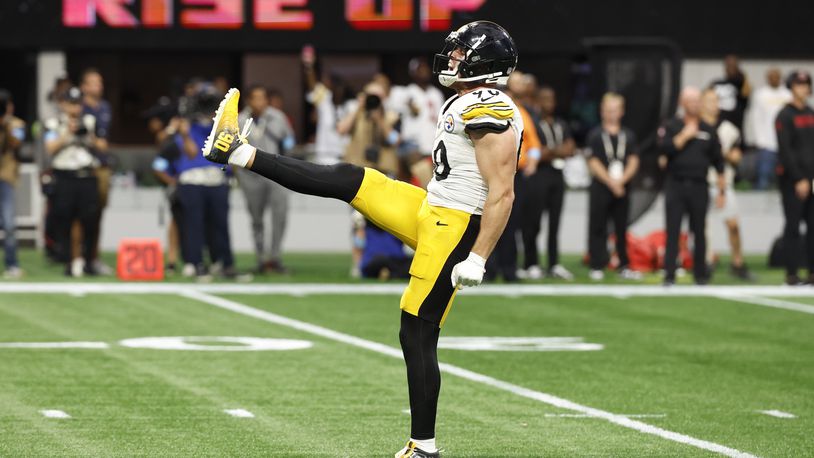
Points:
[[676, 376]]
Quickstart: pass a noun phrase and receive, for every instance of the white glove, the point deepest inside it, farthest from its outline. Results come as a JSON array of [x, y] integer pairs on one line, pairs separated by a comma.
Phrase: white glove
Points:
[[468, 272]]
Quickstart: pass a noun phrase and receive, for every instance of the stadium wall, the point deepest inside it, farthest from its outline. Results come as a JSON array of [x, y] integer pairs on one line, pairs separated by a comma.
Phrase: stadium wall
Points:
[[321, 225]]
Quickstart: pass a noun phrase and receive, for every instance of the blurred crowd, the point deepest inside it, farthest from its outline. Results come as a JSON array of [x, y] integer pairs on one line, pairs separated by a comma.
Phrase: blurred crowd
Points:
[[392, 128]]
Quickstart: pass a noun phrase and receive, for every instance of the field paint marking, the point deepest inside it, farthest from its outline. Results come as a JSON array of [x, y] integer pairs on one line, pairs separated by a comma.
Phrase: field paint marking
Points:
[[88, 345], [769, 302], [54, 414], [582, 415], [778, 413], [188, 343], [239, 413], [555, 401], [517, 344]]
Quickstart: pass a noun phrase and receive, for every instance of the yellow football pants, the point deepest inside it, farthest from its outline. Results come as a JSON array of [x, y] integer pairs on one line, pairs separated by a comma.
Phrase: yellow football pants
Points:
[[441, 238]]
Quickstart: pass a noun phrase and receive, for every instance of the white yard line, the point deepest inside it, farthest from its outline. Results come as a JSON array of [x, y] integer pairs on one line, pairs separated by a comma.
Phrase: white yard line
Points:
[[769, 302], [741, 294], [582, 415], [378, 289], [777, 413], [463, 373], [239, 413], [54, 414], [56, 345]]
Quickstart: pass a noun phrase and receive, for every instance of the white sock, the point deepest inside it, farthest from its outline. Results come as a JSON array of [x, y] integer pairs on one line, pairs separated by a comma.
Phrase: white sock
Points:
[[242, 155], [428, 445]]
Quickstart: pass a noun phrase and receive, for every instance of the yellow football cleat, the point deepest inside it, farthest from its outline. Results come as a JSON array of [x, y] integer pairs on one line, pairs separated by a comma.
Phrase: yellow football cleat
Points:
[[226, 137], [411, 450]]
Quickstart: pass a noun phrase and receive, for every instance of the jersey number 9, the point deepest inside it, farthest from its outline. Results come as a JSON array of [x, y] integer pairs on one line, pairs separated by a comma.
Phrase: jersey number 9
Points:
[[439, 159]]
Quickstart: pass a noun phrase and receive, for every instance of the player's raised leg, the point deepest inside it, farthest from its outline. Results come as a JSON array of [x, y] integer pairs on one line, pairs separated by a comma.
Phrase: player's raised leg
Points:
[[390, 204]]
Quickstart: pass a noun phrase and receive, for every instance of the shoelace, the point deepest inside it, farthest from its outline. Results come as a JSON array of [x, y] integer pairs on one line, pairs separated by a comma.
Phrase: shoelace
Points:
[[247, 128]]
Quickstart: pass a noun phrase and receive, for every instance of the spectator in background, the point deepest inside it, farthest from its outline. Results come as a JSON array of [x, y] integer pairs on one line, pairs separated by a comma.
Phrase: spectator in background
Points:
[[203, 191], [503, 260], [795, 141], [372, 130], [418, 105], [733, 92], [332, 104], [383, 255], [691, 147], [728, 136], [92, 87], [70, 140], [163, 122], [613, 161], [373, 141], [272, 132], [12, 134], [52, 111], [766, 103], [545, 188], [277, 101], [61, 85]]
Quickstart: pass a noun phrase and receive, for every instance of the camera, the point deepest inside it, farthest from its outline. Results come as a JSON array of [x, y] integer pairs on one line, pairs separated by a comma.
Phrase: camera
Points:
[[202, 103], [372, 102]]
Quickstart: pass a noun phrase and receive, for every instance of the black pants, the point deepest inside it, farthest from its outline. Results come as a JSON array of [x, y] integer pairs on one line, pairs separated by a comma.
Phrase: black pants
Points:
[[75, 198], [205, 211], [545, 192], [690, 197], [603, 207], [795, 211], [503, 260]]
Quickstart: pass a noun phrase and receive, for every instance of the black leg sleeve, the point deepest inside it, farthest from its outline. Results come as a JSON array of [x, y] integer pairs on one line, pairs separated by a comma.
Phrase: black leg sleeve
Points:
[[419, 342], [340, 181]]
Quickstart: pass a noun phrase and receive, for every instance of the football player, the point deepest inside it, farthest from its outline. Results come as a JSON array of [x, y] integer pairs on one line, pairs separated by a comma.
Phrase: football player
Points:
[[453, 225]]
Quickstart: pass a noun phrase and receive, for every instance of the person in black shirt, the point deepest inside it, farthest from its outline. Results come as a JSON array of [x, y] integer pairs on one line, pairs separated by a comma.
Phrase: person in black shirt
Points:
[[614, 160], [691, 147], [545, 189], [733, 92], [795, 141]]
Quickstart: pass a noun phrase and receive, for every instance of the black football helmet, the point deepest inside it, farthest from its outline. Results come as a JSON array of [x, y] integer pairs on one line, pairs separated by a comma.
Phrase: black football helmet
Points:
[[490, 55]]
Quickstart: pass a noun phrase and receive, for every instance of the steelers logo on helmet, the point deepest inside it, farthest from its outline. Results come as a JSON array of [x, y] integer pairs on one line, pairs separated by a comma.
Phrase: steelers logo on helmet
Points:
[[449, 123], [485, 53]]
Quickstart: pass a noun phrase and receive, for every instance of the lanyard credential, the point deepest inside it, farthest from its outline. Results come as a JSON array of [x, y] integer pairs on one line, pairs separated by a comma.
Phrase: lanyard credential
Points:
[[621, 146], [553, 136]]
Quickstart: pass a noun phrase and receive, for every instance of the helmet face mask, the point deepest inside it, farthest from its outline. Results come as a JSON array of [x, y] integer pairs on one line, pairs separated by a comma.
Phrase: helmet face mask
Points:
[[488, 55]]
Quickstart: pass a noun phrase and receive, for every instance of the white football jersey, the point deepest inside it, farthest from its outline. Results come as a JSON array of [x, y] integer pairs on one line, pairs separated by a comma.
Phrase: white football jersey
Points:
[[457, 182]]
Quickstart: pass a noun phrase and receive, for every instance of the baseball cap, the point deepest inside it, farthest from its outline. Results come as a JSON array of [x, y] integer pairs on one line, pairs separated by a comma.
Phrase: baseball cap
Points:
[[798, 77]]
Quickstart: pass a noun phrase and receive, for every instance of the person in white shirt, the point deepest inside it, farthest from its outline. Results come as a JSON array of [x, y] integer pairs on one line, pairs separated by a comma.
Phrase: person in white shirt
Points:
[[766, 103], [332, 104], [417, 105], [729, 139]]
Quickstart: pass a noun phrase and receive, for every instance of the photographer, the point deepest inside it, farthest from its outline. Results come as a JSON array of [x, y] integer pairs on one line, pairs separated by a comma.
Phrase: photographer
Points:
[[163, 122], [372, 133], [201, 182], [92, 86], [12, 133], [70, 141]]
